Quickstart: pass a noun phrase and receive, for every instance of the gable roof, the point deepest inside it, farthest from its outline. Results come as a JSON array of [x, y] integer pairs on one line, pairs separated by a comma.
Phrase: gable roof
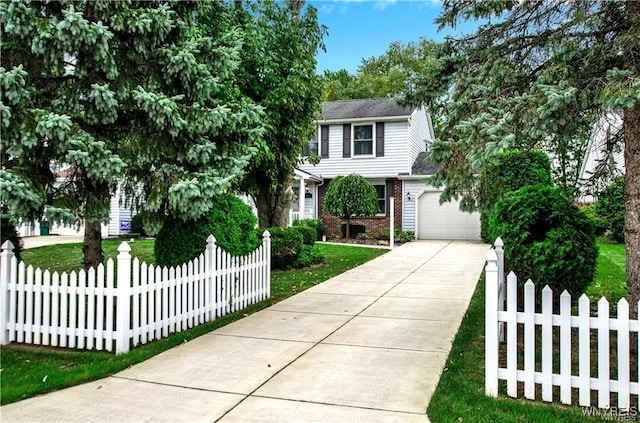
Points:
[[363, 108], [423, 167]]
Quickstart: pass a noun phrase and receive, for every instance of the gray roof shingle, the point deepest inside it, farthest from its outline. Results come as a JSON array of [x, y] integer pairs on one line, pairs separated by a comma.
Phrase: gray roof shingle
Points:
[[421, 166], [363, 108]]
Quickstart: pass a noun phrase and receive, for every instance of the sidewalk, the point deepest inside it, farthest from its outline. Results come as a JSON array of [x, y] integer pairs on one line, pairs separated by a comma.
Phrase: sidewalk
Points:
[[368, 345], [40, 241]]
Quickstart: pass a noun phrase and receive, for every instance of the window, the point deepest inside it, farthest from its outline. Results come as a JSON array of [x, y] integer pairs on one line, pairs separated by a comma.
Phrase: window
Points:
[[311, 148], [362, 140], [382, 198]]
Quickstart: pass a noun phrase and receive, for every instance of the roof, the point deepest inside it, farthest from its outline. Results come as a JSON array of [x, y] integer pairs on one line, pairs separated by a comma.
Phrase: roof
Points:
[[421, 166], [363, 108]]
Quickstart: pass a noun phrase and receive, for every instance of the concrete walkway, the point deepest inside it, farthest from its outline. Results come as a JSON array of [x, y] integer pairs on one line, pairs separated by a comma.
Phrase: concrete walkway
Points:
[[368, 346], [41, 241]]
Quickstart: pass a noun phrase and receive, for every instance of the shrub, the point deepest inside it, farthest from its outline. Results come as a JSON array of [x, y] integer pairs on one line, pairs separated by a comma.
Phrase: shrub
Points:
[[230, 221], [317, 224], [610, 208], [547, 238], [137, 226], [308, 234], [8, 232], [309, 256], [599, 224], [399, 235], [286, 244], [355, 229], [511, 171]]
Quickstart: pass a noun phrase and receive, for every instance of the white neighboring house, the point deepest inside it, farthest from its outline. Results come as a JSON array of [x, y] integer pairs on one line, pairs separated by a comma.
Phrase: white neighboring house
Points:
[[386, 144], [119, 219], [603, 130]]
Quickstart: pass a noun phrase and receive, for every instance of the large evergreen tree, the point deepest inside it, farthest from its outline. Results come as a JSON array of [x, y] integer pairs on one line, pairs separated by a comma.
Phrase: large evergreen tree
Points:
[[120, 89], [537, 74], [278, 73]]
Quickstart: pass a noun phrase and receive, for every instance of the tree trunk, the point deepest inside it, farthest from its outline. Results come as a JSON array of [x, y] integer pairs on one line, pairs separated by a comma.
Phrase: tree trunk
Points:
[[632, 177], [92, 248], [273, 206], [632, 203]]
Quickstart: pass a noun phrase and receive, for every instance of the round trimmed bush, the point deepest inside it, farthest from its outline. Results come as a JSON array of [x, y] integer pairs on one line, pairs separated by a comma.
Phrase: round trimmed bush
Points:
[[316, 224], [308, 234], [286, 244], [230, 221], [547, 239]]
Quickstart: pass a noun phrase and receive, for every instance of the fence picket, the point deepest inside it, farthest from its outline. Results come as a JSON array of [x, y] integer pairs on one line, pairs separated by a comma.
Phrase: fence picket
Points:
[[37, 315], [584, 345], [64, 287], [529, 339], [30, 291], [565, 347], [20, 288], [603, 353], [73, 295], [512, 334], [55, 308], [547, 344], [623, 354]]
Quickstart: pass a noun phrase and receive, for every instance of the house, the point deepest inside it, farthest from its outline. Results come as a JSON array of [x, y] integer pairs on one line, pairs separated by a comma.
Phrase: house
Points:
[[387, 145]]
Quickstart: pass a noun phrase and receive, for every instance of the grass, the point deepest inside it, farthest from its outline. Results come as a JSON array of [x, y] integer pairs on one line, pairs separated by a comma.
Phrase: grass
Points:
[[610, 279], [460, 393], [27, 371]]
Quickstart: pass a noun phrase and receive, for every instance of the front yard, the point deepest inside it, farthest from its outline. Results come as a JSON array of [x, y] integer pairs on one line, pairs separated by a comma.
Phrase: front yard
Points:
[[27, 371]]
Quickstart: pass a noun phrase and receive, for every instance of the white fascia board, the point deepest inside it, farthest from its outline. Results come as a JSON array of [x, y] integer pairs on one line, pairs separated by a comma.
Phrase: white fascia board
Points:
[[364, 119]]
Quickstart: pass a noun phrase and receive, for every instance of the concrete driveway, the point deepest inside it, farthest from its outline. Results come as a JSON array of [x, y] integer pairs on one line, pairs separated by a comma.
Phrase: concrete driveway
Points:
[[368, 346]]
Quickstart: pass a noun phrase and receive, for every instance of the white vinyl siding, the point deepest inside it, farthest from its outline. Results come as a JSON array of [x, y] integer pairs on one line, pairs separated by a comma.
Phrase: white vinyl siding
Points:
[[394, 161], [421, 130]]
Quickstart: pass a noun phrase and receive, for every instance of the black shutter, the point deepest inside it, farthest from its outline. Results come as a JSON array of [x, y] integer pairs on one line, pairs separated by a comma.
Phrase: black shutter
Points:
[[346, 140], [324, 141], [389, 193], [379, 139]]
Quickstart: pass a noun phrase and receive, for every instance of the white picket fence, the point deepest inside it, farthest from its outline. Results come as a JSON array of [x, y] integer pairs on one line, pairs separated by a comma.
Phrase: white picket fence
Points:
[[128, 304], [536, 370]]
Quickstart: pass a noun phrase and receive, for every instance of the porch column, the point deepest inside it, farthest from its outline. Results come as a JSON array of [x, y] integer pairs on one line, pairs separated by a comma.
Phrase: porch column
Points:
[[301, 198]]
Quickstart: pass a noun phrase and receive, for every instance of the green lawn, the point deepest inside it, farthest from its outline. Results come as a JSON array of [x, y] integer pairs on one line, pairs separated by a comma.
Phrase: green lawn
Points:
[[460, 393], [31, 370]]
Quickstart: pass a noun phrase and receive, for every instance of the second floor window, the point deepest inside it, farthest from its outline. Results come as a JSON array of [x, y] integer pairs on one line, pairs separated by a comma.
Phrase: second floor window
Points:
[[362, 140], [311, 148]]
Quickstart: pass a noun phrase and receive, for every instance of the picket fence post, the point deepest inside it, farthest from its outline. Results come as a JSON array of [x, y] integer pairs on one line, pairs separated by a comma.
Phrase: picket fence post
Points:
[[6, 258], [123, 289], [491, 325], [266, 243]]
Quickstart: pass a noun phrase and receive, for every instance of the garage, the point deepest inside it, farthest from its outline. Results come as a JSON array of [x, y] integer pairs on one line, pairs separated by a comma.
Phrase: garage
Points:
[[445, 221]]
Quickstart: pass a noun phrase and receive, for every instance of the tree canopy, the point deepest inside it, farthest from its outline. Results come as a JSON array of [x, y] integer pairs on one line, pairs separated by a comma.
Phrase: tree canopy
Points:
[[350, 196], [278, 62], [537, 75], [116, 90]]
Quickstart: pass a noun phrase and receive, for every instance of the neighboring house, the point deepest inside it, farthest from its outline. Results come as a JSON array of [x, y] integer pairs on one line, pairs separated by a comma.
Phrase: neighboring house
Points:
[[119, 218], [386, 144], [598, 167]]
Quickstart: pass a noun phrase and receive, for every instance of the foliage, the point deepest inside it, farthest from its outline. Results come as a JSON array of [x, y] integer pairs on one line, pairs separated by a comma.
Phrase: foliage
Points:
[[354, 230], [399, 235], [547, 239], [317, 224], [137, 225], [350, 196], [286, 244], [309, 234], [309, 256], [599, 224], [610, 208], [87, 85], [383, 76], [8, 232], [230, 221], [510, 171], [278, 62]]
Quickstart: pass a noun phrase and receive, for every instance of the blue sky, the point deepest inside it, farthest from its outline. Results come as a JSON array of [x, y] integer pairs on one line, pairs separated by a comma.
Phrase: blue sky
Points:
[[364, 28]]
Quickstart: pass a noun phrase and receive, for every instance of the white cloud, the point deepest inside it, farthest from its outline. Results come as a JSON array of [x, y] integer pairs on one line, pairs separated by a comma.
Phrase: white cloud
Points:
[[383, 4]]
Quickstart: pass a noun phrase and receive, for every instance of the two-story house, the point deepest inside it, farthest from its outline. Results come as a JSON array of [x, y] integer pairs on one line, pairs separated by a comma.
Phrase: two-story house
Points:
[[386, 144]]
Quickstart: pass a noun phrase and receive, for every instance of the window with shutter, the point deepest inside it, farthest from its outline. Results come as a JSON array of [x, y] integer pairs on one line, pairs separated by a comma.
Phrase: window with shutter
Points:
[[324, 141], [379, 139]]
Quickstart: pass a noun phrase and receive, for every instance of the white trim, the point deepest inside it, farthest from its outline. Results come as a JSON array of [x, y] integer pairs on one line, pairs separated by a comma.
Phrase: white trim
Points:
[[363, 119]]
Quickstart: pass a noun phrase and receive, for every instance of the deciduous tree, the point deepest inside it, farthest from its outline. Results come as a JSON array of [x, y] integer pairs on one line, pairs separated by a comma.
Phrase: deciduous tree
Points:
[[350, 196]]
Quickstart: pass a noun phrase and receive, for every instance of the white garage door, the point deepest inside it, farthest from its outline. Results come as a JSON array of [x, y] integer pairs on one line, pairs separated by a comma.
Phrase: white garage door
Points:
[[445, 221]]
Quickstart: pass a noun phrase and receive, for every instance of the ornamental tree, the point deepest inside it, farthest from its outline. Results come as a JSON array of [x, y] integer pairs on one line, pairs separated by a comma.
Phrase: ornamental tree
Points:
[[119, 91], [350, 196], [537, 74]]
